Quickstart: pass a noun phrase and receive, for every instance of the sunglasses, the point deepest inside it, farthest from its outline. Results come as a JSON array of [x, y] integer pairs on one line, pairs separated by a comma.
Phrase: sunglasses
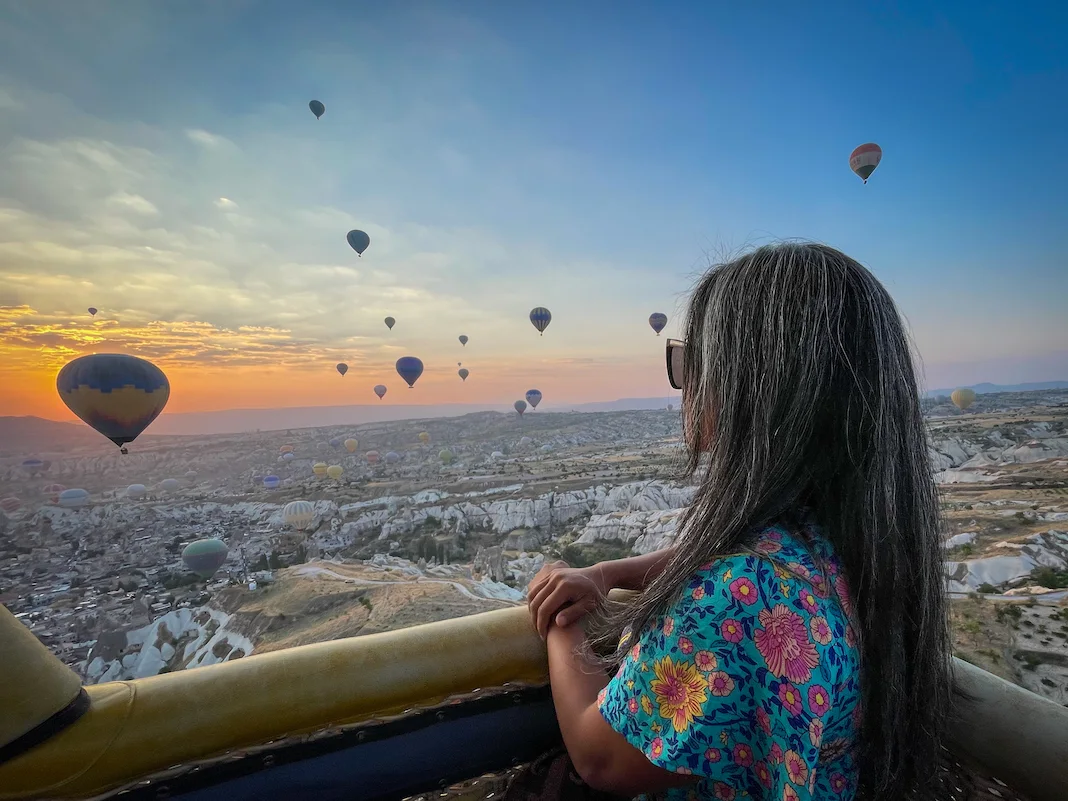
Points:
[[675, 348]]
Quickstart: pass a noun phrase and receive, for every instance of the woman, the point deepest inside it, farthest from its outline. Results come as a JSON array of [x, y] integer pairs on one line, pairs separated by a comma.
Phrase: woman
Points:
[[793, 643]]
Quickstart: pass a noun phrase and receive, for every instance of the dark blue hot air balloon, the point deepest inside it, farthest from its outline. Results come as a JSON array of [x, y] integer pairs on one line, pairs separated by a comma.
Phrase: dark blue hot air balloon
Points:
[[657, 321], [317, 108], [541, 317], [534, 397], [335, 443], [358, 241], [117, 395], [409, 368]]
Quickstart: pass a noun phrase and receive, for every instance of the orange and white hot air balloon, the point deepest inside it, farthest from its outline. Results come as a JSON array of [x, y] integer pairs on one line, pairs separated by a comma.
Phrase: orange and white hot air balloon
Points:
[[865, 159]]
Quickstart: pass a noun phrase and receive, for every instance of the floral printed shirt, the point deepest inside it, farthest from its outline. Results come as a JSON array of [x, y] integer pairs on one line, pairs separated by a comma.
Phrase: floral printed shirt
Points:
[[752, 680]]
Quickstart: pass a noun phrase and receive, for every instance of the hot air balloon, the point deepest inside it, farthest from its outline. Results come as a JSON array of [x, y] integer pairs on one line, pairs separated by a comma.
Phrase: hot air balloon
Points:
[[351, 445], [205, 557], [319, 468], [335, 443], [170, 485], [342, 368], [524, 442], [390, 322], [271, 482], [285, 449], [372, 457], [93, 311], [136, 490], [520, 406], [424, 437], [533, 397], [288, 457], [73, 498], [10, 504], [962, 398], [657, 321], [317, 108], [117, 395], [445, 455], [409, 368], [335, 471], [463, 372], [52, 491], [358, 241], [463, 339], [865, 159], [298, 514], [541, 317], [33, 466], [380, 390], [392, 457]]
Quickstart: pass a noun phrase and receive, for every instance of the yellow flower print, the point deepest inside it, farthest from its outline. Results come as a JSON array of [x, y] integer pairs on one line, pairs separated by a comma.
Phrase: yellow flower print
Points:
[[680, 690], [728, 575], [630, 684], [784, 588], [647, 705]]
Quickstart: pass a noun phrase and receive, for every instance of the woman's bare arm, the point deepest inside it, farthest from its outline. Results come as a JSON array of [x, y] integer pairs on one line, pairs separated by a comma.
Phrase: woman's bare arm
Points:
[[635, 572]]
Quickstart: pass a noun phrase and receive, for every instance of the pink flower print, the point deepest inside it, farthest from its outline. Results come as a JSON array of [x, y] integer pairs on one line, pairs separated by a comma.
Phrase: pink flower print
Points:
[[744, 590], [800, 569], [815, 732], [775, 755], [705, 566], [600, 697], [720, 684], [796, 768], [773, 534], [838, 783], [789, 794], [767, 546], [669, 626], [656, 748], [686, 645], [724, 792], [808, 600], [706, 661], [851, 637], [763, 774], [636, 651], [632, 706], [713, 754], [742, 755], [731, 630], [763, 720], [784, 644], [698, 592], [842, 589], [790, 697], [819, 700], [821, 632], [819, 586], [684, 771]]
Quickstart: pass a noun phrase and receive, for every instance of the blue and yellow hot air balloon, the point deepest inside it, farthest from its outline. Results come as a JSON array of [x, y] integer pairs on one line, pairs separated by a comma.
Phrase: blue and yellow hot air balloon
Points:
[[117, 395], [540, 317]]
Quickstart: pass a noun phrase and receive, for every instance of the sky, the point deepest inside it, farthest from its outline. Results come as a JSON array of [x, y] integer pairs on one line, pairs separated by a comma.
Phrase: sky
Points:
[[159, 161]]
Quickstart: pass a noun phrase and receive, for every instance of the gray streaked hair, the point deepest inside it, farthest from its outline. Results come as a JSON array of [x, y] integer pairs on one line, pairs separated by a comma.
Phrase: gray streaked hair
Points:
[[799, 391]]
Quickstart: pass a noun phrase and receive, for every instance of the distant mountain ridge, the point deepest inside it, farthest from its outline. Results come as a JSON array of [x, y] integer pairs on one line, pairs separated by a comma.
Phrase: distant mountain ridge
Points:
[[987, 388]]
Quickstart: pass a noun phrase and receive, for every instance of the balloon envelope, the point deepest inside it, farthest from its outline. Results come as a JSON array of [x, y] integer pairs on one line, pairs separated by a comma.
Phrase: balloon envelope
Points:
[[351, 445], [288, 457], [372, 457], [409, 368], [865, 159], [358, 241], [657, 321], [533, 397], [117, 395], [136, 490], [319, 468], [205, 557], [520, 406], [342, 368], [335, 471], [73, 498], [317, 108], [463, 372], [380, 390], [540, 317], [33, 465], [335, 443], [963, 398], [271, 482], [11, 504], [463, 339], [285, 449], [298, 514], [445, 455], [390, 322], [392, 457], [52, 491], [170, 484], [424, 437], [93, 310]]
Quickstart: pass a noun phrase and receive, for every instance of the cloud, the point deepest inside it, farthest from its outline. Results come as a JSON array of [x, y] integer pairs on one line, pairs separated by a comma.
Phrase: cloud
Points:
[[209, 140]]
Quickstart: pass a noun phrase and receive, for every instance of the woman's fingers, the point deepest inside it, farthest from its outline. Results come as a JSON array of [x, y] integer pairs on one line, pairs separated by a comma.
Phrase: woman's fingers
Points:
[[576, 611], [560, 596]]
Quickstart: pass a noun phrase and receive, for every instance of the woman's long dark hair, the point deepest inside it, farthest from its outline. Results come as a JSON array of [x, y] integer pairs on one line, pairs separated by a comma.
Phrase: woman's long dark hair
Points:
[[799, 389]]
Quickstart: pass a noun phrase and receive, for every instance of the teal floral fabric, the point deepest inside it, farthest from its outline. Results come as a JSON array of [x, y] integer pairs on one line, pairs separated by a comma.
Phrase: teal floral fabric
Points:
[[751, 681]]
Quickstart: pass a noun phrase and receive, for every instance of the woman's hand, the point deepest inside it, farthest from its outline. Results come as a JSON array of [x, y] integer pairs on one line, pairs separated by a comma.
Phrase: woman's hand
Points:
[[564, 593]]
